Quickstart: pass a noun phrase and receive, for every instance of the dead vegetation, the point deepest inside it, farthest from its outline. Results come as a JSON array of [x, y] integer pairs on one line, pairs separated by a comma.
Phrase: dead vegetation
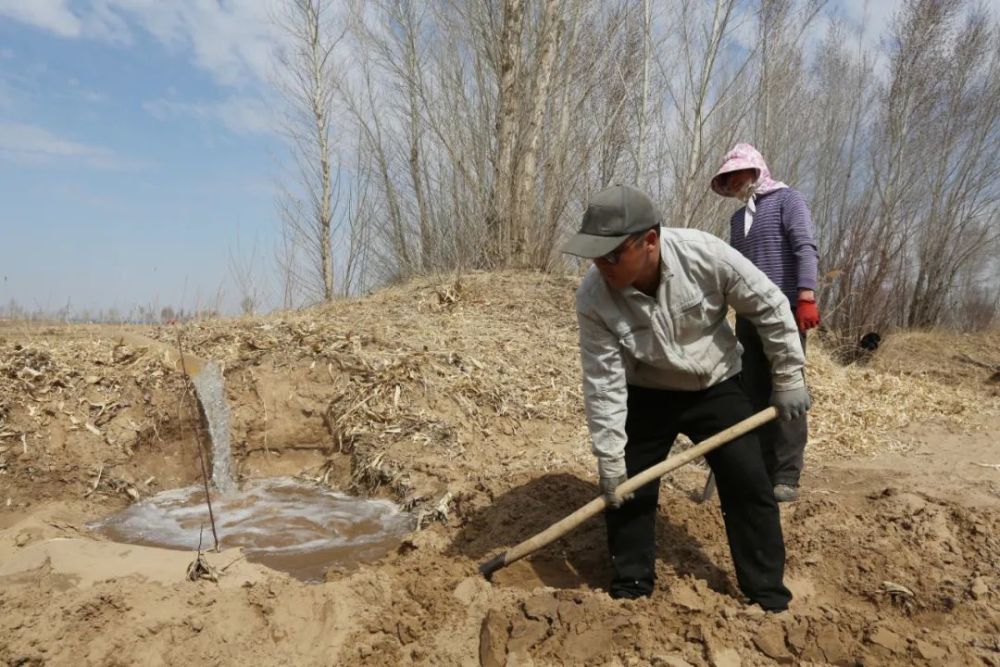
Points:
[[460, 398], [444, 365], [73, 390]]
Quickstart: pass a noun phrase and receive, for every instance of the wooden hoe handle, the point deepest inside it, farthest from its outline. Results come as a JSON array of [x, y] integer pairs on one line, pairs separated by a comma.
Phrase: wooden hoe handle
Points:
[[560, 528]]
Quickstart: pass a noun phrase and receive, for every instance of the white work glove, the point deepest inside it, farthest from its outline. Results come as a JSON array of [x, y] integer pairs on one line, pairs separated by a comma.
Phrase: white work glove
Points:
[[791, 403], [608, 486]]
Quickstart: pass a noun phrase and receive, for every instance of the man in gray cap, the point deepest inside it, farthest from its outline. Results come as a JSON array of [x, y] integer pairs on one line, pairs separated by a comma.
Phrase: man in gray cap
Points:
[[659, 358]]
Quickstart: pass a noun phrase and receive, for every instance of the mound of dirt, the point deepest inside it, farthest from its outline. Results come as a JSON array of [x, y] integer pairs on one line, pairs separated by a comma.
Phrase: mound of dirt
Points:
[[460, 398], [951, 359]]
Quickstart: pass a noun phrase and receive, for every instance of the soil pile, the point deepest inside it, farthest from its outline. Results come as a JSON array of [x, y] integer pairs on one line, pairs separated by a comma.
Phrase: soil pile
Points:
[[459, 397]]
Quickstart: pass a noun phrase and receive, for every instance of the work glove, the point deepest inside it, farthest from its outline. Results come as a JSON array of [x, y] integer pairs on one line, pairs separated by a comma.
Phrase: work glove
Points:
[[791, 403], [608, 486], [807, 314]]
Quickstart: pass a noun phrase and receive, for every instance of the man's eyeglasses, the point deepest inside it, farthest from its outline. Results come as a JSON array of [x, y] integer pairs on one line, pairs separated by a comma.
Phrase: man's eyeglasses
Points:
[[614, 256]]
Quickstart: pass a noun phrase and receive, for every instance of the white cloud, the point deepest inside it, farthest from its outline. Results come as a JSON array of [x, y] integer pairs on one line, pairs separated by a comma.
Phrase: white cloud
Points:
[[242, 115], [34, 145], [233, 40], [52, 15], [103, 23]]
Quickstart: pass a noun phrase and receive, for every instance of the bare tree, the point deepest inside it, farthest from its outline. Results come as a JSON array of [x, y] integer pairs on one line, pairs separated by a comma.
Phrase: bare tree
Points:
[[244, 270], [843, 91], [286, 262], [507, 64], [782, 120], [698, 92], [309, 209], [525, 208], [957, 223], [919, 216], [471, 133], [561, 175]]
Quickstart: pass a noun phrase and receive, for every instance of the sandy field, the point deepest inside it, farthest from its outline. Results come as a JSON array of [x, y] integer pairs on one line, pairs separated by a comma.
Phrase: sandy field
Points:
[[458, 397]]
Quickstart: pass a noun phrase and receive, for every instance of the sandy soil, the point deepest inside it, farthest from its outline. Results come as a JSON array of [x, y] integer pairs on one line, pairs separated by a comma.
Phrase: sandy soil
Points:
[[460, 400]]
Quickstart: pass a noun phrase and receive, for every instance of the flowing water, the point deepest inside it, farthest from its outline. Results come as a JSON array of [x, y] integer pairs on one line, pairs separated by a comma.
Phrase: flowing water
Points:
[[210, 386], [280, 522]]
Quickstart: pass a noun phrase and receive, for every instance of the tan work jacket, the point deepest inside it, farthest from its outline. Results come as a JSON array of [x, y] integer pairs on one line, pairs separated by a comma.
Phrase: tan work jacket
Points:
[[681, 339]]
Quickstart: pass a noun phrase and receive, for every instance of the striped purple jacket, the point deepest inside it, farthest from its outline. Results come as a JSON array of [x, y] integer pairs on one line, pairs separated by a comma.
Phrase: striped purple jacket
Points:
[[781, 242]]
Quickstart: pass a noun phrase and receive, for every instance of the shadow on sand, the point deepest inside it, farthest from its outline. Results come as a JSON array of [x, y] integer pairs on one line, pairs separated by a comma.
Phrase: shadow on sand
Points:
[[580, 558]]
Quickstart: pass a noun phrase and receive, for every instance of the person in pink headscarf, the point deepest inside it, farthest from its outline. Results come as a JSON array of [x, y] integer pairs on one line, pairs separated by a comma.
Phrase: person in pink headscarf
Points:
[[773, 229]]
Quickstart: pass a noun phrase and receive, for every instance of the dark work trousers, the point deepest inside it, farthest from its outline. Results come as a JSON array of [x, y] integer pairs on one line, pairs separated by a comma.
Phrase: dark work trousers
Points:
[[783, 442], [753, 526]]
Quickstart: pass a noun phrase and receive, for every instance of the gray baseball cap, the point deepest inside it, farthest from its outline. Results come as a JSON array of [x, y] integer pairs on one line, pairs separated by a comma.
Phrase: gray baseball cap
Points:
[[612, 215]]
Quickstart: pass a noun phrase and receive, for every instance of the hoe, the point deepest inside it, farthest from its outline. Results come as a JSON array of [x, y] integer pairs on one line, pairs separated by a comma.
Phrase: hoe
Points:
[[560, 528]]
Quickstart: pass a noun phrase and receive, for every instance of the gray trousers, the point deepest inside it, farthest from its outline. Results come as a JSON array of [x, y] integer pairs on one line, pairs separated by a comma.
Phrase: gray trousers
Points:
[[782, 443]]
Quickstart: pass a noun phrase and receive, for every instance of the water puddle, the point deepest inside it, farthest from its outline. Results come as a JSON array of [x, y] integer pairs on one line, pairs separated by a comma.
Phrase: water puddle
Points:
[[280, 522]]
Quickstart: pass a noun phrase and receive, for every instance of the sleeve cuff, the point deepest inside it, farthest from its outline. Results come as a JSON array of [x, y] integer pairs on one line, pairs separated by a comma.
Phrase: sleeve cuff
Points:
[[611, 467], [786, 382]]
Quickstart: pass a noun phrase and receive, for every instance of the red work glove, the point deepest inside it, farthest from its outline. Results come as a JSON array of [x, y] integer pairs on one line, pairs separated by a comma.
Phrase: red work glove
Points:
[[807, 315]]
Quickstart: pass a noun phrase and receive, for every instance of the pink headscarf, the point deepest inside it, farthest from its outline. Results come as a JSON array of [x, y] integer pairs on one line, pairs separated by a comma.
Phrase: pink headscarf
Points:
[[745, 156]]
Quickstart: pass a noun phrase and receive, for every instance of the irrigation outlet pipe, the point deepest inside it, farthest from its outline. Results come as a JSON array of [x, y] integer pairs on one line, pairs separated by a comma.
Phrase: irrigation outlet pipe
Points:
[[560, 528]]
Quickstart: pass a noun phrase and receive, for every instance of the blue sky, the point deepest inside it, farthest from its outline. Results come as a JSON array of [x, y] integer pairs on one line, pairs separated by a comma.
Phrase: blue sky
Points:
[[137, 141], [132, 152]]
